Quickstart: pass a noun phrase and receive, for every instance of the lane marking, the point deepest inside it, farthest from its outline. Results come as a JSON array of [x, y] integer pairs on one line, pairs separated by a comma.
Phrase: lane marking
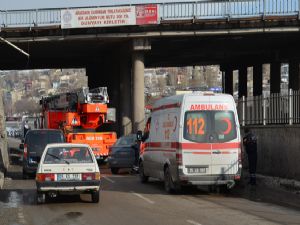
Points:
[[108, 179], [142, 197], [21, 217], [193, 222]]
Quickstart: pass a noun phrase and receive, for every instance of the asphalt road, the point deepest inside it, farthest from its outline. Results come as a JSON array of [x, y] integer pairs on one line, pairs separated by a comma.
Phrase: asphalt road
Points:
[[124, 200]]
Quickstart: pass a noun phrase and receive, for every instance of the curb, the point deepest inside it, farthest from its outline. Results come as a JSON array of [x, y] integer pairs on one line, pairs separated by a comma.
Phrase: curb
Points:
[[288, 184]]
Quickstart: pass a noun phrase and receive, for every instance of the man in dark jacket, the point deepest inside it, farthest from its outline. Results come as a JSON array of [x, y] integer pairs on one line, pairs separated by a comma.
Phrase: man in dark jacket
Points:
[[250, 142]]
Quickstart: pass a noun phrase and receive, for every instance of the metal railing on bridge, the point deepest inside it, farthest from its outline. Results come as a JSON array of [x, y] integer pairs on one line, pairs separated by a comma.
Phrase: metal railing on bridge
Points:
[[196, 10], [273, 109]]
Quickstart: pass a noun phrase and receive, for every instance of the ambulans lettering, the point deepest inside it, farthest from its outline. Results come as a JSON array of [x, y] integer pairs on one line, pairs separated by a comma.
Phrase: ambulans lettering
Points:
[[209, 107]]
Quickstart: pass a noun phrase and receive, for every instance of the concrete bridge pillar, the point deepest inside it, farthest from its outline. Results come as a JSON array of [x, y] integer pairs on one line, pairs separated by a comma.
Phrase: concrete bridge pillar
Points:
[[228, 80], [125, 95], [138, 91], [243, 75], [138, 112], [257, 80], [275, 77], [294, 79]]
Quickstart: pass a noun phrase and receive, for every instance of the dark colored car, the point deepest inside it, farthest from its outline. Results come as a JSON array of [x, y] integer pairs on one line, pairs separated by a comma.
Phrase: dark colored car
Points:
[[122, 154], [34, 145]]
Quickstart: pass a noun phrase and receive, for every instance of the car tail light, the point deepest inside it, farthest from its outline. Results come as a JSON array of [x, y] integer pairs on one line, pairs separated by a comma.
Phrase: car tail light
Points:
[[237, 177], [25, 151], [91, 176], [88, 176], [97, 176], [109, 150], [240, 156], [45, 177]]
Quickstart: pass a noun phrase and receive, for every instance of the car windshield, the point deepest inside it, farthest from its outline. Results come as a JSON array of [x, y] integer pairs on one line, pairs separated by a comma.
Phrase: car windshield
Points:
[[209, 126], [126, 140], [38, 140], [62, 155]]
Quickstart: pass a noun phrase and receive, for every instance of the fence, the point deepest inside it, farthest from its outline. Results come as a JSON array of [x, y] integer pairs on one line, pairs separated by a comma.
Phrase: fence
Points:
[[201, 10], [274, 109]]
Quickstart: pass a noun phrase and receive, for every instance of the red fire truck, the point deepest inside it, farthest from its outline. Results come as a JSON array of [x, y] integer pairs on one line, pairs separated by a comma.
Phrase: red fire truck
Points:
[[81, 114]]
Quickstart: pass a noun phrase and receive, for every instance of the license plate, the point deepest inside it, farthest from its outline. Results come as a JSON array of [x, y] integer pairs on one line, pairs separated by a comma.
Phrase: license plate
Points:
[[68, 176], [196, 170]]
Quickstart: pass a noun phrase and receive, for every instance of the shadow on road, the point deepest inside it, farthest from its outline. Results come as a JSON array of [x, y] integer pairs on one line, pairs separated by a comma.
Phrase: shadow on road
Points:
[[24, 192]]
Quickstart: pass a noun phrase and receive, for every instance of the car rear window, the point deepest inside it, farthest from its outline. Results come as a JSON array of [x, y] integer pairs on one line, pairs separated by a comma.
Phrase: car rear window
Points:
[[126, 140], [62, 155], [37, 140], [209, 126]]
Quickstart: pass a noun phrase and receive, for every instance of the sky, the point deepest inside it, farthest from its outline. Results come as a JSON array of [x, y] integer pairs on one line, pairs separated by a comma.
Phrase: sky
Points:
[[34, 4]]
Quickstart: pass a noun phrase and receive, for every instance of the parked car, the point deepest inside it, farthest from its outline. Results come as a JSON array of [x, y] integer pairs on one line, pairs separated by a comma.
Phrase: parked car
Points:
[[122, 153], [13, 129], [67, 169], [34, 145]]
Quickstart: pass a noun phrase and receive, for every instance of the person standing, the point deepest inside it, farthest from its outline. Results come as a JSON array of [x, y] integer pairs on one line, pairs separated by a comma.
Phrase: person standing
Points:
[[250, 142], [26, 128]]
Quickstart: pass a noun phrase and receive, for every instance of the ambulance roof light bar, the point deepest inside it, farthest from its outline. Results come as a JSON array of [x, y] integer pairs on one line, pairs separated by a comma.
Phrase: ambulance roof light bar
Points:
[[205, 93]]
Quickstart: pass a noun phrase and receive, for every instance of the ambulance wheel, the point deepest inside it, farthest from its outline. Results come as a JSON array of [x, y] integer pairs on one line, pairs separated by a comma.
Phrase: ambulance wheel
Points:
[[143, 177], [170, 186]]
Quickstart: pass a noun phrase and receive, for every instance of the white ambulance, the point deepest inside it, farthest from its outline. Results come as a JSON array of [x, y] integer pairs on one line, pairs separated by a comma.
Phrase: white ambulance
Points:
[[194, 139]]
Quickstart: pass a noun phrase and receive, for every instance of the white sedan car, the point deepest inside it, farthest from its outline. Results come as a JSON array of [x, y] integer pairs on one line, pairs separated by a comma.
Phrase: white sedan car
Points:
[[67, 169]]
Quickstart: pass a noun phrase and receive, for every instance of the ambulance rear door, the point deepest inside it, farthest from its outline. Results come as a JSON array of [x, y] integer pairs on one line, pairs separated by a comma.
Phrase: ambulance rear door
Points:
[[225, 137]]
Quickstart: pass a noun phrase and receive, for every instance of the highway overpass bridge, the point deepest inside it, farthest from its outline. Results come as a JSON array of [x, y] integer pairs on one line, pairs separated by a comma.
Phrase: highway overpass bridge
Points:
[[235, 34]]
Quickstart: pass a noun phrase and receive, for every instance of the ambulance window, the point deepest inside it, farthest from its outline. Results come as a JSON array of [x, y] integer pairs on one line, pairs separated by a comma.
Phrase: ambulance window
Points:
[[196, 126], [224, 126]]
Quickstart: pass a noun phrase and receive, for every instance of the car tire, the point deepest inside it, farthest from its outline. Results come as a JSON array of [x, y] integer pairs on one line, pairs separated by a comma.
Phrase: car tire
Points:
[[143, 177], [40, 198], [95, 196], [114, 170], [170, 186], [25, 175]]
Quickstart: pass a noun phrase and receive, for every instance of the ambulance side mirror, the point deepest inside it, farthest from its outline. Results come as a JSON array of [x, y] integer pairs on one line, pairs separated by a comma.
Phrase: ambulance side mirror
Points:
[[139, 135]]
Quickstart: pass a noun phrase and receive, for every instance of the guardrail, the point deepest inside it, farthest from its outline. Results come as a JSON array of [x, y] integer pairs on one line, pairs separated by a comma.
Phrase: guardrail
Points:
[[199, 10], [274, 109]]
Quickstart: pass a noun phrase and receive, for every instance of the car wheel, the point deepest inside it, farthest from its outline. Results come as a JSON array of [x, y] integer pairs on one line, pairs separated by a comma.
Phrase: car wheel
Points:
[[114, 170], [25, 175], [169, 184], [40, 198], [143, 177], [95, 196]]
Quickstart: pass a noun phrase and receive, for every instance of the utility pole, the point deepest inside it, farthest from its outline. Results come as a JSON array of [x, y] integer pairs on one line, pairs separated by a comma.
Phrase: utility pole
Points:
[[14, 46]]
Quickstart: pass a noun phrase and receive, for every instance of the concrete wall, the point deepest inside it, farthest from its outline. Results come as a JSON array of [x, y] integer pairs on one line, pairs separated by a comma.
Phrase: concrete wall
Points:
[[278, 150]]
